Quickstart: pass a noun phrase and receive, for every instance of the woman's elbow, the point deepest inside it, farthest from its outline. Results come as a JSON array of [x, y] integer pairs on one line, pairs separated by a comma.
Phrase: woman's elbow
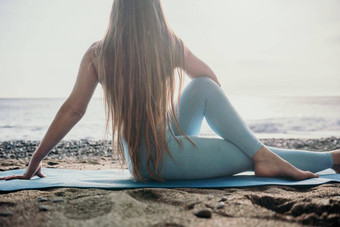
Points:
[[78, 111]]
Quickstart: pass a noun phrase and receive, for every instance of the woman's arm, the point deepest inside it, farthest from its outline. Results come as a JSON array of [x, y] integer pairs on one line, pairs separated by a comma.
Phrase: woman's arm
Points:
[[195, 67], [68, 115]]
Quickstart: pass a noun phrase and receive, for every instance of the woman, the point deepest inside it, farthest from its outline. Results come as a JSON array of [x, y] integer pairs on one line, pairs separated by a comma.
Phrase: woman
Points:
[[135, 63]]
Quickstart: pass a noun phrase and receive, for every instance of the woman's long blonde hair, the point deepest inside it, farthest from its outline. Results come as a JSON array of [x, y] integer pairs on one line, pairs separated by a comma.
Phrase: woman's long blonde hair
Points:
[[137, 60]]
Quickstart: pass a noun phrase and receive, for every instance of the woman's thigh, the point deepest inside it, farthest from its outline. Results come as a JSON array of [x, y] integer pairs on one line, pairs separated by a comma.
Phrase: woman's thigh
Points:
[[212, 157]]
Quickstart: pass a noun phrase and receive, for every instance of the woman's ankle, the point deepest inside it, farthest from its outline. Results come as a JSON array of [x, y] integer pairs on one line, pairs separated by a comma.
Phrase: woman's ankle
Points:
[[263, 154], [268, 163]]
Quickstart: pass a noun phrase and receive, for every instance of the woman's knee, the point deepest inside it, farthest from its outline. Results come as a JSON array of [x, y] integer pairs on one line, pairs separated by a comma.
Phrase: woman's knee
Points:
[[201, 84], [203, 81], [202, 87]]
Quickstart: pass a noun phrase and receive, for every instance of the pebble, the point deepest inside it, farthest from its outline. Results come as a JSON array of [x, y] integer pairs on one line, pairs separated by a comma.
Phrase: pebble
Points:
[[51, 163], [44, 208], [220, 205], [204, 213], [57, 200], [42, 199], [6, 214], [9, 168], [20, 149], [223, 199]]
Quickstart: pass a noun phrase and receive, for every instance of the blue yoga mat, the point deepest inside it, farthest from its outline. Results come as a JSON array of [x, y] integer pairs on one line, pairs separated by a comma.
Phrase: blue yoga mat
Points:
[[121, 179]]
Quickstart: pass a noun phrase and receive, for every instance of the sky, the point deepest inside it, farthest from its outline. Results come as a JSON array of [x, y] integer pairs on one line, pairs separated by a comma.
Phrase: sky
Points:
[[256, 47]]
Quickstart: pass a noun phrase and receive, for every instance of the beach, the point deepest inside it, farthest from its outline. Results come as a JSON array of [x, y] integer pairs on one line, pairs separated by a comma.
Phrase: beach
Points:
[[250, 206]]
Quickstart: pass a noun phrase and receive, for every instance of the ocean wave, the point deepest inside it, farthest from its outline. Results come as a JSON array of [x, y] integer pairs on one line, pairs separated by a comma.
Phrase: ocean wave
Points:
[[266, 127], [284, 125], [30, 119], [7, 126]]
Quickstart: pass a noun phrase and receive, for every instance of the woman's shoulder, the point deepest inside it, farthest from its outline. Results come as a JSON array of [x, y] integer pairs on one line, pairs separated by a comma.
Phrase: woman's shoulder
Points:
[[95, 44], [91, 51], [89, 60]]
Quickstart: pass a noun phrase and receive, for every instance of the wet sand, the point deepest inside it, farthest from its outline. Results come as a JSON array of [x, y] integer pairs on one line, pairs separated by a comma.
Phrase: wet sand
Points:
[[252, 206]]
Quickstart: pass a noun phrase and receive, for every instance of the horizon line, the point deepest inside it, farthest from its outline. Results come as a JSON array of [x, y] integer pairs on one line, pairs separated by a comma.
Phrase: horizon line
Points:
[[235, 95]]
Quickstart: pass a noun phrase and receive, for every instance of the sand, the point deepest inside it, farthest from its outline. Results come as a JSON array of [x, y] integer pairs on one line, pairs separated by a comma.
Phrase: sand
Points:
[[252, 206]]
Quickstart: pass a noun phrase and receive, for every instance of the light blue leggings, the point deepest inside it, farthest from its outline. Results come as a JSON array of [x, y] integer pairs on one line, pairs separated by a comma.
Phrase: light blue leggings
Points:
[[215, 157]]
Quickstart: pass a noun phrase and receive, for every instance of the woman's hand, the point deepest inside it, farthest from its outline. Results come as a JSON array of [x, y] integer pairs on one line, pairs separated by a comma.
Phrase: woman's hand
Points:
[[195, 67], [26, 176]]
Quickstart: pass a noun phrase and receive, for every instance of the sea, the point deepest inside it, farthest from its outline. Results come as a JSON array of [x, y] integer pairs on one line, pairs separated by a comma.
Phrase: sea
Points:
[[266, 116]]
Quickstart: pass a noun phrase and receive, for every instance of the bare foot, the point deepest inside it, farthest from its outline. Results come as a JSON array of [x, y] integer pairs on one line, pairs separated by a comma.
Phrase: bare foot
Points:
[[336, 158], [269, 164]]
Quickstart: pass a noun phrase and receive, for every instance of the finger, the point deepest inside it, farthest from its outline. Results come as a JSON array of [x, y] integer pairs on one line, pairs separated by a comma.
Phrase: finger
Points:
[[218, 83], [21, 177], [15, 177], [39, 173]]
